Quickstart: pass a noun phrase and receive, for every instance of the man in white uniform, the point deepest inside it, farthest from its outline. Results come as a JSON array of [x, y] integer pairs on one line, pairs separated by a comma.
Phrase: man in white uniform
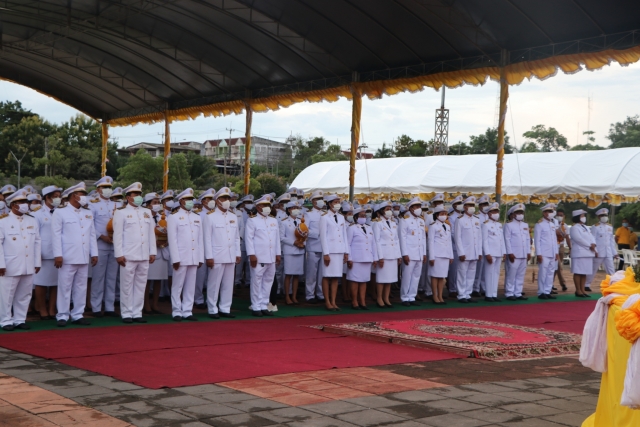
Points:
[[546, 244], [413, 247], [280, 215], [208, 205], [494, 251], [483, 216], [134, 245], [19, 261], [222, 253], [517, 242], [455, 212], [468, 241], [5, 192], [313, 265], [245, 205], [607, 247], [74, 247], [185, 234]]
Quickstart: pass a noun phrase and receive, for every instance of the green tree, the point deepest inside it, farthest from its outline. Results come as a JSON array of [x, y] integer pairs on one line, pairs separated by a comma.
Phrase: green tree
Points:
[[12, 113], [384, 152], [625, 134], [148, 171], [590, 136], [586, 147], [270, 183], [529, 147], [459, 149], [546, 139], [333, 153], [631, 211], [254, 187], [57, 180], [403, 145], [25, 138], [202, 170], [487, 142]]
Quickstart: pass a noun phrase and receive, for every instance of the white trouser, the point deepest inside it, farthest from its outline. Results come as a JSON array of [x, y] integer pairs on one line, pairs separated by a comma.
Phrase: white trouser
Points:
[[220, 284], [133, 281], [184, 282], [15, 292], [546, 270], [244, 265], [202, 275], [72, 285], [425, 280], [479, 280], [491, 276], [452, 277], [103, 281], [465, 275], [597, 262], [410, 280], [515, 277], [261, 282], [313, 281]]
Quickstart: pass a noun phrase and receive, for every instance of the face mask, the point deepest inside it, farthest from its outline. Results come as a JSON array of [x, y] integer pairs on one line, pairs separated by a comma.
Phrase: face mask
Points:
[[417, 211], [233, 204], [519, 217], [335, 207], [362, 221], [224, 205], [442, 218], [83, 201], [294, 199], [211, 204], [249, 206], [552, 215], [266, 210], [34, 208], [295, 213], [350, 218], [368, 214], [137, 200], [495, 216], [3, 204], [459, 207], [604, 219], [23, 208], [485, 209], [396, 213], [156, 208], [188, 205], [107, 192], [625, 224], [55, 202], [583, 219], [471, 210], [320, 204], [560, 218], [388, 214]]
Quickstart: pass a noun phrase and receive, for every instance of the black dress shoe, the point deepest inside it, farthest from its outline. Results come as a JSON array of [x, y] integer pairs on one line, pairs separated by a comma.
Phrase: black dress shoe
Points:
[[406, 303], [266, 313], [355, 307], [388, 305], [381, 305], [214, 316], [97, 314], [227, 315], [418, 298], [127, 320], [511, 298], [488, 299], [256, 313], [177, 318], [453, 294], [201, 306], [564, 287], [22, 326], [415, 303], [523, 293], [475, 294], [463, 301], [587, 289], [320, 300], [82, 321], [549, 296], [521, 298], [7, 328], [191, 318], [364, 307], [312, 301], [471, 300], [553, 288], [496, 299], [579, 295], [139, 320], [61, 323], [586, 295], [110, 314], [553, 293], [543, 296]]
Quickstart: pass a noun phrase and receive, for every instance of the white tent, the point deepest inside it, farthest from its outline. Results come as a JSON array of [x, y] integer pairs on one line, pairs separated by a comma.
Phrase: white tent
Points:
[[591, 176]]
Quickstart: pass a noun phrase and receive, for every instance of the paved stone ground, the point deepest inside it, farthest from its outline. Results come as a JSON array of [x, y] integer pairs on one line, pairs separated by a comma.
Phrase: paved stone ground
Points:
[[537, 393]]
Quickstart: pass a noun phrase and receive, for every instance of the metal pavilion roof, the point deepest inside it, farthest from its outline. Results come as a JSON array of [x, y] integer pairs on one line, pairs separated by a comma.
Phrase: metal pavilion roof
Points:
[[125, 58]]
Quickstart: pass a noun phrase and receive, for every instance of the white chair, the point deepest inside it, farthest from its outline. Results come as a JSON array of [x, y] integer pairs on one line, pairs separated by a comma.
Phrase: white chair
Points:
[[629, 257]]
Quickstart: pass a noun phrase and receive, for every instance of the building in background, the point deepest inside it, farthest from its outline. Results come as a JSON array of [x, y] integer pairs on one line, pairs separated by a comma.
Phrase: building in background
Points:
[[157, 150], [264, 152]]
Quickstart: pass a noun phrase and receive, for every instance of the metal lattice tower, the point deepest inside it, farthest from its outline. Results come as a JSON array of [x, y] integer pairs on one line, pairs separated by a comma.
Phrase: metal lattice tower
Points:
[[441, 138]]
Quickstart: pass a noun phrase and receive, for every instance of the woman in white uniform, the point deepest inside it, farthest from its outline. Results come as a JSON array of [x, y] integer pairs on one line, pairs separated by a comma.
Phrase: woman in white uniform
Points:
[[440, 252], [583, 251], [347, 211], [158, 270], [292, 251], [362, 255], [385, 231]]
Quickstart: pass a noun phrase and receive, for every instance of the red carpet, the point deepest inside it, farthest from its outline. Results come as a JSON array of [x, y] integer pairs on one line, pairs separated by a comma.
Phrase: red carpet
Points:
[[172, 355]]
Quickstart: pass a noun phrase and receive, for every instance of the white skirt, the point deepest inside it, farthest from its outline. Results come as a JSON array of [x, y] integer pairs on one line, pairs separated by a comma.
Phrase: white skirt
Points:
[[158, 270], [360, 272], [389, 272], [334, 269], [293, 264], [48, 275], [582, 265], [440, 268]]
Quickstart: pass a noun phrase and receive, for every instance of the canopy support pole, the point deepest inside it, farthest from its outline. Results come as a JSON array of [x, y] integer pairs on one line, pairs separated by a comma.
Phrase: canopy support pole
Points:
[[105, 139], [167, 152], [504, 96], [247, 148], [356, 113]]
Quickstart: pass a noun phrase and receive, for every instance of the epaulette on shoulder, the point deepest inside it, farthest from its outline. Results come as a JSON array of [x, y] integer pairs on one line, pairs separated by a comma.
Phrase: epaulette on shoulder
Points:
[[253, 215], [94, 200], [4, 215], [211, 211], [284, 219], [84, 207], [406, 216], [29, 215], [324, 214], [376, 220], [541, 219], [448, 223], [352, 223], [508, 221], [120, 208], [486, 222]]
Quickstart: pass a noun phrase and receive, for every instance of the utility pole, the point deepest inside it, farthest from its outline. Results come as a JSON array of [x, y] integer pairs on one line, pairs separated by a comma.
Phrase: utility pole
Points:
[[228, 153], [19, 163]]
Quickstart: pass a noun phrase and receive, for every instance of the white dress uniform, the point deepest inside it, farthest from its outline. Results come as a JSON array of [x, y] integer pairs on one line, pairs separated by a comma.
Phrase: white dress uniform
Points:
[[492, 244], [262, 239], [363, 251], [413, 243], [517, 241], [606, 244], [48, 274], [185, 233], [468, 241], [202, 273], [546, 243], [292, 255], [314, 263], [243, 266], [479, 280], [452, 277], [333, 239], [388, 248], [424, 285], [582, 257], [74, 239], [103, 275], [135, 240], [20, 256], [440, 248], [222, 244]]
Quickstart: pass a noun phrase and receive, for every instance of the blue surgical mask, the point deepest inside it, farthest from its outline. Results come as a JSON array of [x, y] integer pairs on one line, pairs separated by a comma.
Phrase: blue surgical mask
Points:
[[625, 224]]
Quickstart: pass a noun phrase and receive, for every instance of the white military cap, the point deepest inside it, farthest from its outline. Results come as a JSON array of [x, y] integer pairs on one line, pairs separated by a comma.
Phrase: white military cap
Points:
[[224, 191], [247, 198], [136, 186], [493, 206], [34, 196], [368, 207], [171, 204], [92, 193], [284, 197], [75, 188], [210, 193], [29, 189], [300, 192], [346, 206], [105, 181], [396, 205], [426, 204], [150, 196], [265, 199], [21, 194], [458, 199], [292, 190], [414, 201], [358, 210], [273, 196], [382, 205], [318, 194], [483, 199], [8, 189], [549, 207], [292, 205], [517, 207], [471, 200], [50, 189], [167, 195], [603, 211], [117, 192], [578, 212], [439, 197], [331, 197], [233, 195], [438, 209], [186, 194], [450, 210]]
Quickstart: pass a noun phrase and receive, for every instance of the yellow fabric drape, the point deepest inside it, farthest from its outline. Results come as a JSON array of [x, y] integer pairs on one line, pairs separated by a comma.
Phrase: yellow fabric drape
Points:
[[105, 139]]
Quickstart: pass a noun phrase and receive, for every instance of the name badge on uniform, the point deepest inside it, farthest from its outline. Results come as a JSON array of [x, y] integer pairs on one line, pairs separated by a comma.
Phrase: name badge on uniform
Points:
[[196, 222], [273, 225], [88, 216], [14, 238], [231, 222], [31, 226], [146, 215], [181, 217], [412, 233]]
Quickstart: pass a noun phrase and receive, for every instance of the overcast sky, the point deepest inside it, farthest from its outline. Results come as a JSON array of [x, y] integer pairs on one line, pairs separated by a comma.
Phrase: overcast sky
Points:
[[559, 102]]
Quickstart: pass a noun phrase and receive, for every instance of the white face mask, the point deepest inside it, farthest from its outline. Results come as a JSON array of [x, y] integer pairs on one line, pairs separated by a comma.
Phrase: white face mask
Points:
[[294, 199], [495, 216], [350, 218], [320, 204], [224, 205], [417, 211], [604, 219], [156, 208], [471, 210], [3, 204], [295, 213], [583, 219], [396, 213], [211, 204], [485, 209], [560, 218], [23, 208], [442, 218], [552, 215], [519, 217], [107, 192], [368, 214], [233, 204], [459, 207], [55, 202], [335, 207], [388, 214], [83, 201], [249, 206], [266, 210]]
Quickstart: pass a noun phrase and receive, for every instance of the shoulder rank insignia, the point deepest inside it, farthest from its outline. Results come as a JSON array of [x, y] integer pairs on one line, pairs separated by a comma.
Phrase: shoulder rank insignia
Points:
[[210, 212]]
